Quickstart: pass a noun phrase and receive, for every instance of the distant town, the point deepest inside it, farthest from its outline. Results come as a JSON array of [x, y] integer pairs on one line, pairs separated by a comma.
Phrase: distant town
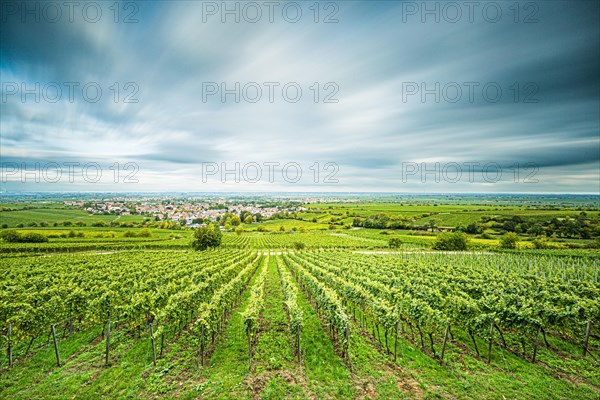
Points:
[[190, 213]]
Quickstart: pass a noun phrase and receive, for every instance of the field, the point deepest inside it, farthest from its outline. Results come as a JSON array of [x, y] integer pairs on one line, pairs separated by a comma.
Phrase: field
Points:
[[236, 323], [307, 307]]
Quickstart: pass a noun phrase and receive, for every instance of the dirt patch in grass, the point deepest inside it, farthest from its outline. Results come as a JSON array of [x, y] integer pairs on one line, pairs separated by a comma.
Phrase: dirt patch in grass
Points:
[[257, 383]]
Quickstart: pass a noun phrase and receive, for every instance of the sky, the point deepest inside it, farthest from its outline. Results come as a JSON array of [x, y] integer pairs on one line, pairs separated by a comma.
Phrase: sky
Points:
[[300, 96]]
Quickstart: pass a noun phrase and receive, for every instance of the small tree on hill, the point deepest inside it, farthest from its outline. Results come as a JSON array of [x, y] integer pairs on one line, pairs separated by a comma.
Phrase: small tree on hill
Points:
[[206, 237], [298, 245], [394, 243], [509, 241], [457, 241]]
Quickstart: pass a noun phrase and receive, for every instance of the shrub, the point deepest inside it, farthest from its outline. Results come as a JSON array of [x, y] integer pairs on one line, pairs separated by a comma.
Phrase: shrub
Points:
[[394, 243], [15, 237], [298, 245], [32, 237], [540, 242], [10, 236], [206, 237], [509, 241], [144, 233], [457, 241]]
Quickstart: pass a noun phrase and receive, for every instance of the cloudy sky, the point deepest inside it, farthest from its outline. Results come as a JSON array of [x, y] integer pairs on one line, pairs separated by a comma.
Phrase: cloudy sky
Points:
[[375, 96]]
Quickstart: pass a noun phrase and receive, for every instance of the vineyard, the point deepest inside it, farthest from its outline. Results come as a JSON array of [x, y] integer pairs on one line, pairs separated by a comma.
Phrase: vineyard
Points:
[[430, 322]]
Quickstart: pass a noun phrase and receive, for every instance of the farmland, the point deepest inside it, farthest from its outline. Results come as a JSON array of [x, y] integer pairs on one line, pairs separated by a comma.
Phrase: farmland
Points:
[[297, 308], [237, 323]]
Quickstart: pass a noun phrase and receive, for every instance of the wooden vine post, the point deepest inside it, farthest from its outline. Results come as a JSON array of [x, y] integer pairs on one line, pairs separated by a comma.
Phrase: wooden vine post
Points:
[[9, 350], [153, 344], [587, 337], [107, 340], [53, 330], [474, 342], [396, 341], [71, 320], [202, 345], [445, 340], [298, 345], [537, 341], [249, 347], [347, 344], [489, 355]]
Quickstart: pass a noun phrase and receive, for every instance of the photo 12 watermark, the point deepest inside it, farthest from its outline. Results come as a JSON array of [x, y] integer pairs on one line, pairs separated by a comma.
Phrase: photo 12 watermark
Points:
[[69, 172], [72, 91], [272, 92], [270, 172], [469, 172], [452, 12], [471, 92], [270, 11], [52, 12]]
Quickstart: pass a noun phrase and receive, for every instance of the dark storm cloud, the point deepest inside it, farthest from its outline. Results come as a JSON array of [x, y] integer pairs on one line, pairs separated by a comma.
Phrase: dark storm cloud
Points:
[[371, 54]]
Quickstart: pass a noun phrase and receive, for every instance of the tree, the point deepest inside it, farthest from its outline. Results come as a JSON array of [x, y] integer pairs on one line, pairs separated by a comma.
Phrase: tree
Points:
[[15, 237], [206, 237], [145, 233], [225, 218], [244, 214], [394, 243], [248, 219], [509, 241], [239, 230], [457, 241], [433, 224], [298, 245], [472, 228], [10, 236], [235, 220], [540, 242], [258, 217]]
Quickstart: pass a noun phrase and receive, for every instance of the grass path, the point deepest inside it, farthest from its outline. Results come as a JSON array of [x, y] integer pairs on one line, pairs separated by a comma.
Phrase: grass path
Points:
[[275, 371]]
